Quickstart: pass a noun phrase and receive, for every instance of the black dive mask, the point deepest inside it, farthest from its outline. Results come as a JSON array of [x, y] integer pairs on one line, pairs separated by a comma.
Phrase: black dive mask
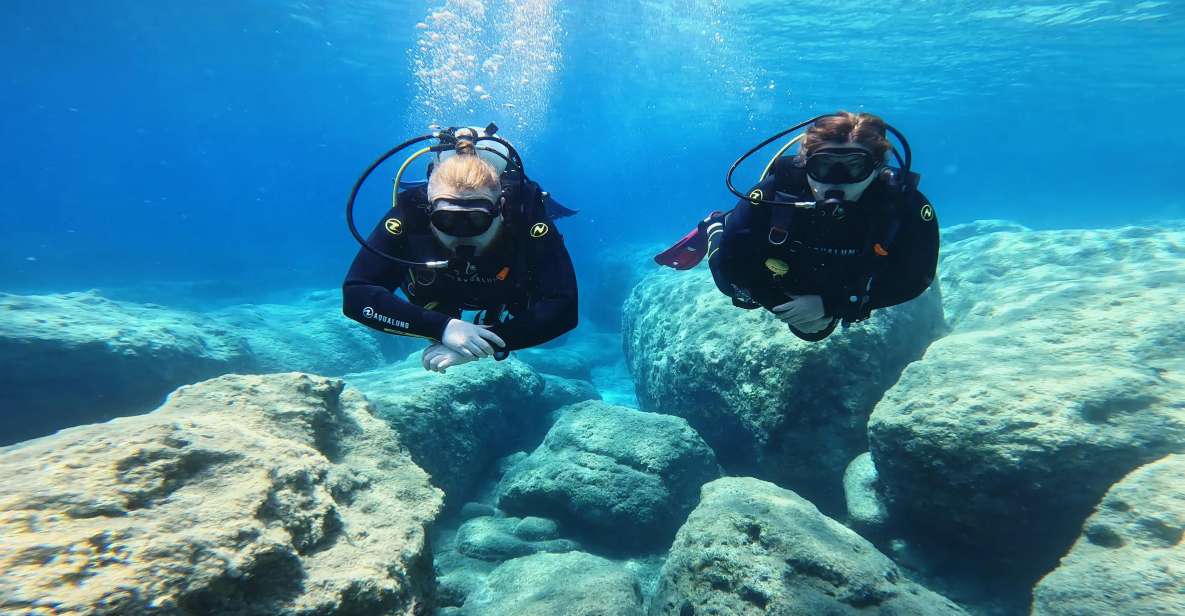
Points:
[[841, 165], [472, 221]]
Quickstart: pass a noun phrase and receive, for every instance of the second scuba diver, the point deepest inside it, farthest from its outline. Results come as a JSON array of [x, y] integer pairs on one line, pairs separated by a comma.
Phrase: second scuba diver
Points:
[[478, 236], [828, 235]]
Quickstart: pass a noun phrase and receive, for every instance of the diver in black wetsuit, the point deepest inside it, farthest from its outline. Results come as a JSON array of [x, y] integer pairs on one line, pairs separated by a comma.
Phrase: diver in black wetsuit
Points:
[[471, 239], [827, 236]]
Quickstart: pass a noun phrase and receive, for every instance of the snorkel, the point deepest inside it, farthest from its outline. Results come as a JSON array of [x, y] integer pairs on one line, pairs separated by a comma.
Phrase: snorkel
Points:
[[833, 195], [447, 140]]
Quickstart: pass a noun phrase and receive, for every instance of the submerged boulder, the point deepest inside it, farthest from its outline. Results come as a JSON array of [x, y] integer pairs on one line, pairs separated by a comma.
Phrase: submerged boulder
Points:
[[1130, 559], [278, 494], [559, 391], [494, 539], [457, 424], [866, 512], [619, 476], [572, 584], [751, 548], [768, 403], [308, 335], [78, 358], [1064, 372]]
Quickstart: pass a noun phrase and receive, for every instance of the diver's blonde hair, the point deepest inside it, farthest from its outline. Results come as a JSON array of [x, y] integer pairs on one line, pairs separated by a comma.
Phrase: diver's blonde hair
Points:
[[464, 176]]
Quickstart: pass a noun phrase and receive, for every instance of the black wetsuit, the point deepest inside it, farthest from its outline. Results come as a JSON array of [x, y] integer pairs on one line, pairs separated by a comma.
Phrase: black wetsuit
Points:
[[527, 275], [878, 252]]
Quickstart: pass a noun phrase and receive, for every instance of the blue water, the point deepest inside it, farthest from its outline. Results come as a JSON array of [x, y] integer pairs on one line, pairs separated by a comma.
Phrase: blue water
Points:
[[166, 141]]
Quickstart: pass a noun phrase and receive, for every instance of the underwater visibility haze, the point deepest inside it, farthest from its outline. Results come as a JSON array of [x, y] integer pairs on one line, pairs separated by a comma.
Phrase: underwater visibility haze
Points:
[[189, 424]]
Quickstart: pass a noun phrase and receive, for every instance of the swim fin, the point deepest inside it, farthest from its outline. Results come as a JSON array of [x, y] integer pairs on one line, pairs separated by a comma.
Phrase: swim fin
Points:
[[689, 251], [555, 210]]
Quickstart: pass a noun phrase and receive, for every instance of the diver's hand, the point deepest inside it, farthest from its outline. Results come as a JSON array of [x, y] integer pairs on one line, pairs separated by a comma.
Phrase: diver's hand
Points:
[[438, 358], [470, 340], [801, 310]]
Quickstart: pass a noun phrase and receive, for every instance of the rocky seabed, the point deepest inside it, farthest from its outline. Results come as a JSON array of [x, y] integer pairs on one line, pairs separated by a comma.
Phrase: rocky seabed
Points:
[[1011, 442]]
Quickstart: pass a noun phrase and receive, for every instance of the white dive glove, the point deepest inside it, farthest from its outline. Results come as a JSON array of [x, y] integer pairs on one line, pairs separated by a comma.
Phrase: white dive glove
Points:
[[469, 340], [814, 327], [438, 358], [802, 312]]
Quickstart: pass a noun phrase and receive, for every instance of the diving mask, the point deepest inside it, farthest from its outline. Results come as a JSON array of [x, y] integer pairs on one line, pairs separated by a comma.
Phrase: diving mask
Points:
[[465, 217], [841, 165]]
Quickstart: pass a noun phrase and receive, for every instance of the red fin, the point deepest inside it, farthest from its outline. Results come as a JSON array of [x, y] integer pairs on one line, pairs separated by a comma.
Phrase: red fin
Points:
[[686, 253]]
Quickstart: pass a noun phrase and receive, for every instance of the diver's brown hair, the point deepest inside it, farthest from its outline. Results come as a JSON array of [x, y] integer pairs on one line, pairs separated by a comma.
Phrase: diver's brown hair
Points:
[[865, 129]]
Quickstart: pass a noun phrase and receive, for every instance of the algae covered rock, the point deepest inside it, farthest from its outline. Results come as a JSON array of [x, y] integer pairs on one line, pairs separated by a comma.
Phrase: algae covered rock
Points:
[[866, 512], [768, 403], [277, 494], [307, 335], [617, 475], [572, 584], [559, 391], [79, 358], [752, 548], [1064, 372], [457, 424], [496, 539], [1130, 559]]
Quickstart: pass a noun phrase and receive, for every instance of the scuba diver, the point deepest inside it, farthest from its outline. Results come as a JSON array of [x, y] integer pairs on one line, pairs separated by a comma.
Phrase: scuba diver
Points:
[[828, 235], [478, 235]]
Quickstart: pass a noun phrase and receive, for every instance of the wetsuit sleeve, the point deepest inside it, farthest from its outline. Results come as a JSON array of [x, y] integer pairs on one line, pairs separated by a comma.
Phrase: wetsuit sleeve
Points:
[[368, 291], [551, 309], [914, 262], [730, 251]]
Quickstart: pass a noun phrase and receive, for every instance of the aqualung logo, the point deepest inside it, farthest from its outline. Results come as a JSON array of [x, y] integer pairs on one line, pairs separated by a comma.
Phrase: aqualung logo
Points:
[[370, 313], [836, 252]]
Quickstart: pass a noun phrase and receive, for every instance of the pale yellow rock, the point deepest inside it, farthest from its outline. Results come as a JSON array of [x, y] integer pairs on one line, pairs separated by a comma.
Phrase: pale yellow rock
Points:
[[277, 494]]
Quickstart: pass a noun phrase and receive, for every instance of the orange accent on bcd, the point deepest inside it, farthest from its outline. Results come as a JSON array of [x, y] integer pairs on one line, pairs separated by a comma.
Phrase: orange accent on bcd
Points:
[[503, 273], [880, 250]]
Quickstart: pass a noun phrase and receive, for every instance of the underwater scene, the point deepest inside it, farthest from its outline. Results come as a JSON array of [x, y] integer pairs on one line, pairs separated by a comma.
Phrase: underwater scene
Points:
[[619, 308]]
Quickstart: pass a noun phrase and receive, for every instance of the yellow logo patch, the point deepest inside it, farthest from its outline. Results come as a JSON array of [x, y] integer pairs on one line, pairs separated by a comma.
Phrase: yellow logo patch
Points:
[[394, 226], [539, 229], [756, 195], [927, 213]]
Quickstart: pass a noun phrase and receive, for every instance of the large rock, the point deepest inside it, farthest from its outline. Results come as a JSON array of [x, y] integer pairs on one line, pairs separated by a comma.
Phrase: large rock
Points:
[[572, 584], [769, 404], [619, 476], [79, 358], [308, 335], [866, 512], [1063, 373], [277, 494], [494, 538], [752, 548], [559, 391], [457, 424], [1130, 560]]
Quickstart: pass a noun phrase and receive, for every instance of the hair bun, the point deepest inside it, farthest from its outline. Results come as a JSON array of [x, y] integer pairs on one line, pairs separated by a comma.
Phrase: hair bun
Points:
[[466, 148]]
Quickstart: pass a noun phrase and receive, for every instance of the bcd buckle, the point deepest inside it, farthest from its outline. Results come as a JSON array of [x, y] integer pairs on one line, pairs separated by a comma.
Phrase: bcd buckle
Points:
[[783, 233]]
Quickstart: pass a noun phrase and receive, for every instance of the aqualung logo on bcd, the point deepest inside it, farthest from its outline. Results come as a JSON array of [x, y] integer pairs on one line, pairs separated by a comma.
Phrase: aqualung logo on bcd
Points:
[[394, 226], [370, 313], [756, 196], [927, 212], [539, 230]]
